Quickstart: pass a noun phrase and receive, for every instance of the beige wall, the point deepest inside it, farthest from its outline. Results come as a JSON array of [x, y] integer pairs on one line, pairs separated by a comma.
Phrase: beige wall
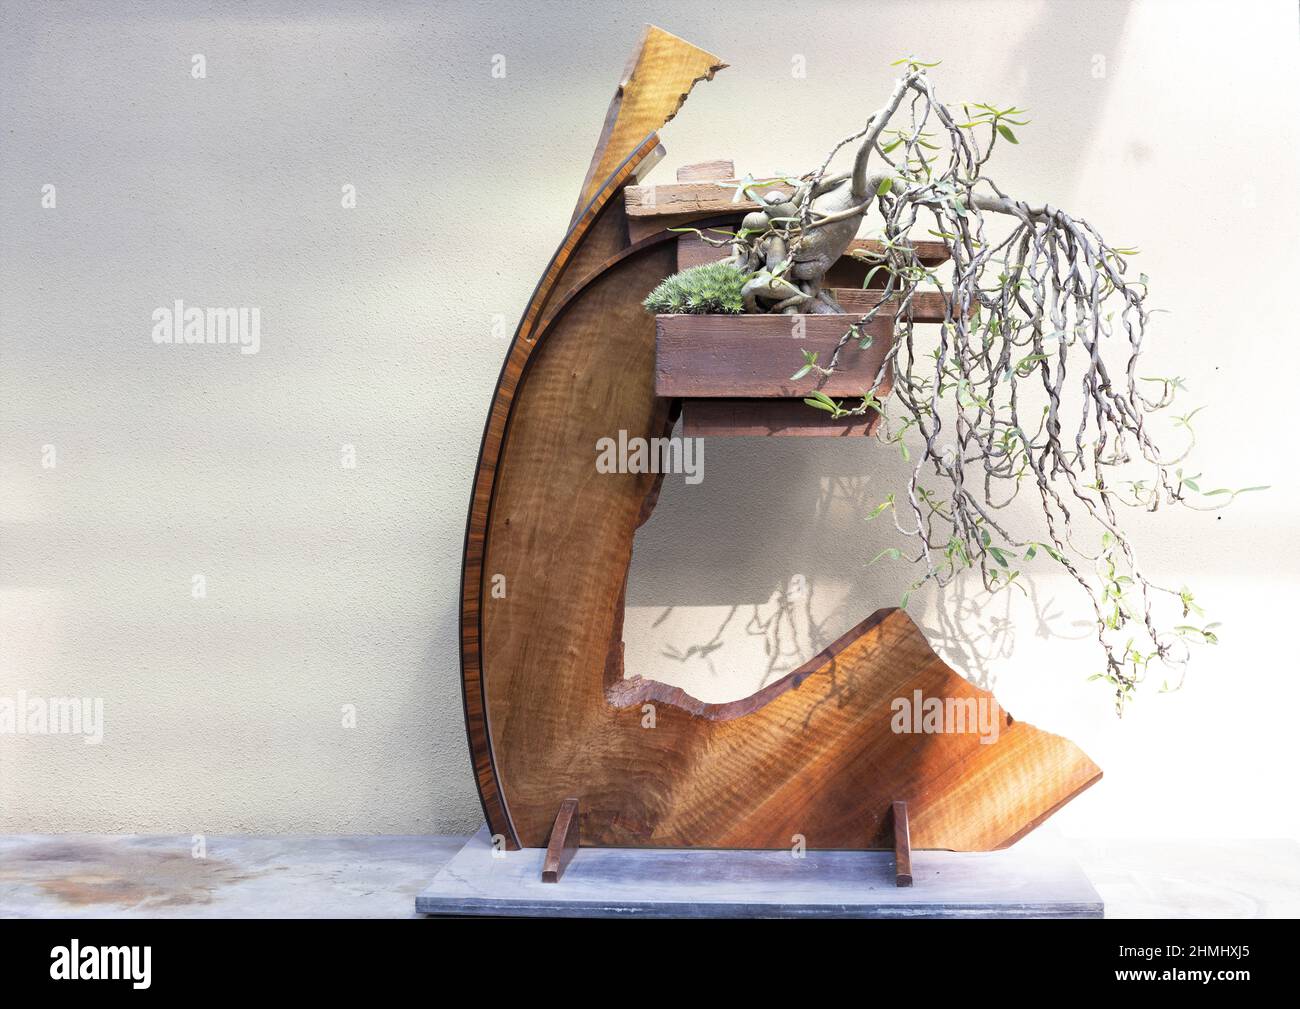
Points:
[[329, 586]]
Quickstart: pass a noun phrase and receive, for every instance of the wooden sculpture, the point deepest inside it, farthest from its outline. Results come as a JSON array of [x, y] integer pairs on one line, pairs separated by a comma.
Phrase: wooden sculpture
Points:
[[551, 718]]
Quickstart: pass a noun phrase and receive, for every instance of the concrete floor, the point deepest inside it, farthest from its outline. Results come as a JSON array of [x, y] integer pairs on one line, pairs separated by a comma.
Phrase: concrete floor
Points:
[[96, 876]]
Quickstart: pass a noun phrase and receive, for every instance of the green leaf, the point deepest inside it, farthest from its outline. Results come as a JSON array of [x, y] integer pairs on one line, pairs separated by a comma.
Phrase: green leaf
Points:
[[893, 553], [886, 184], [1025, 365], [880, 508], [1006, 132], [820, 405], [809, 360]]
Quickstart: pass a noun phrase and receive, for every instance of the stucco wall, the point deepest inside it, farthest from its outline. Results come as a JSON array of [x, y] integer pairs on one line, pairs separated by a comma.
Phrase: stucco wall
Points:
[[1171, 126]]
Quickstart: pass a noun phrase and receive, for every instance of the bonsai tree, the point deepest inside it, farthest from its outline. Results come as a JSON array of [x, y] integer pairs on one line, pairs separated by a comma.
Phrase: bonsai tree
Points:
[[1017, 390]]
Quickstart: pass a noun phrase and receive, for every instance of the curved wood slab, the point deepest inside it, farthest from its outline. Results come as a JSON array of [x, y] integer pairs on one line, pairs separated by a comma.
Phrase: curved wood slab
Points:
[[659, 76], [548, 712]]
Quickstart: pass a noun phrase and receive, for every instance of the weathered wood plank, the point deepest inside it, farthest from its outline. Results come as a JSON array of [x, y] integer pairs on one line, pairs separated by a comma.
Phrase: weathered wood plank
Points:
[[927, 306], [693, 198], [703, 171], [753, 356], [693, 250]]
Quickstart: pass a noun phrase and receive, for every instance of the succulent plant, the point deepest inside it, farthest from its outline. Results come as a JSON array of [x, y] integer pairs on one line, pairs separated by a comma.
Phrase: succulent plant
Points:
[[707, 289]]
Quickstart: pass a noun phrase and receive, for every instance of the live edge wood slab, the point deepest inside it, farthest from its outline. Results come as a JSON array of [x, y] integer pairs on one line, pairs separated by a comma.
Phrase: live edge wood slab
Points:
[[812, 758]]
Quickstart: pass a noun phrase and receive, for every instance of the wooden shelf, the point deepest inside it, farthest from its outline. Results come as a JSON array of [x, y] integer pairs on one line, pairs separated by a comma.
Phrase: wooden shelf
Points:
[[732, 372]]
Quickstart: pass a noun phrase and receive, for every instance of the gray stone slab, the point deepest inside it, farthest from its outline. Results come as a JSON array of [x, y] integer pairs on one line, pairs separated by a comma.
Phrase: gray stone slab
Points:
[[638, 882]]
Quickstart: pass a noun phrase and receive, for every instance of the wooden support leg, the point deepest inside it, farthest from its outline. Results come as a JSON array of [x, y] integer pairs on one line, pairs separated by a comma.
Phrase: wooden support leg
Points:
[[902, 846], [564, 842]]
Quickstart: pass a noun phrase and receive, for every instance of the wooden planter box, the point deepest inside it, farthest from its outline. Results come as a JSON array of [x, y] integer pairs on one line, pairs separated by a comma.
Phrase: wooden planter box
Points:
[[732, 372]]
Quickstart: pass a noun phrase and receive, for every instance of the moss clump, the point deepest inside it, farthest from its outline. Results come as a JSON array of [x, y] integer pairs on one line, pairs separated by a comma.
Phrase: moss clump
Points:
[[707, 289]]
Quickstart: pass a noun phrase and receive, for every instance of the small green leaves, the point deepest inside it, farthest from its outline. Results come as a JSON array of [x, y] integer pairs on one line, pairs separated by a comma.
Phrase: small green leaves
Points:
[[866, 281], [1007, 134], [881, 508], [710, 288], [1025, 366], [1204, 635], [1051, 551], [809, 362], [914, 63], [823, 402], [886, 184], [893, 553]]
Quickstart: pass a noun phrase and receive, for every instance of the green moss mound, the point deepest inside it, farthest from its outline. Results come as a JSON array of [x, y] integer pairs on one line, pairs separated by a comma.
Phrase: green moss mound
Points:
[[707, 289]]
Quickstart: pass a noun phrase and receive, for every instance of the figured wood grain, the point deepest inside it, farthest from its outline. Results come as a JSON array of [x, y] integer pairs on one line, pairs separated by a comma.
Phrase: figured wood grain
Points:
[[549, 713], [813, 754], [754, 356], [473, 576], [659, 75]]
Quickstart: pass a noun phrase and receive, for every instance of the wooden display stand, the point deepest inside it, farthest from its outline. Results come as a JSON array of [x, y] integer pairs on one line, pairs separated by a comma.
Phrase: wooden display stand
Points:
[[561, 754]]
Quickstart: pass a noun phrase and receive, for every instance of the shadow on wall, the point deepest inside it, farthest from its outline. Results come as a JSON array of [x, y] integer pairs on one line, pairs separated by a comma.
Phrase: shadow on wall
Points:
[[773, 543]]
